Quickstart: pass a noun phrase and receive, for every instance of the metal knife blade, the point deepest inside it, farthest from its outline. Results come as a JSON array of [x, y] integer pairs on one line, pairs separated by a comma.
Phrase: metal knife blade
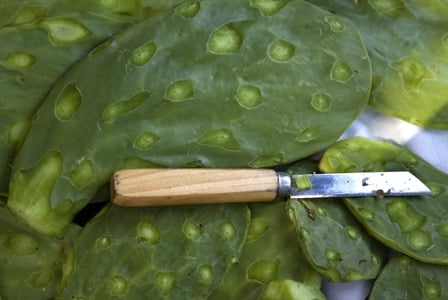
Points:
[[361, 184]]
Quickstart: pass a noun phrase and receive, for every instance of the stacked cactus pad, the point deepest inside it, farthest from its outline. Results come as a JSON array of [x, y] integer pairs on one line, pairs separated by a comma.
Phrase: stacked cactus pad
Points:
[[93, 86]]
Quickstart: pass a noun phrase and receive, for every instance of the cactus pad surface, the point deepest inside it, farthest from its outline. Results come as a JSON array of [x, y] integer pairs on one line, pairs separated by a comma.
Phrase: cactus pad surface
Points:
[[30, 263], [41, 39], [271, 252], [331, 238], [416, 226], [160, 253], [408, 53], [406, 276], [210, 84]]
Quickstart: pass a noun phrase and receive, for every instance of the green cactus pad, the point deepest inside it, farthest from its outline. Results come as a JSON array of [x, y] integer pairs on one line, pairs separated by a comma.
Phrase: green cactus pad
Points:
[[406, 276], [40, 41], [416, 226], [408, 53], [334, 242], [178, 252], [30, 263], [331, 238], [210, 103], [429, 10], [271, 252]]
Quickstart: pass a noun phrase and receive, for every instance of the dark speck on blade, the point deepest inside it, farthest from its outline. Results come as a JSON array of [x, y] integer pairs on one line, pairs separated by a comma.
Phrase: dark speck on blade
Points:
[[364, 181]]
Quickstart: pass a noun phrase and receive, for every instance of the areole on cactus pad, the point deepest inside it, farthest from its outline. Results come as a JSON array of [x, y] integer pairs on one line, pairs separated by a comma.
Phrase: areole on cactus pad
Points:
[[206, 84]]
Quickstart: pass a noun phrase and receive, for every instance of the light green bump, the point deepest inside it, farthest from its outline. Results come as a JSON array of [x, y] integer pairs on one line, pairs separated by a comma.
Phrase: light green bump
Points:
[[306, 234], [180, 90], [227, 231], [354, 275], [302, 182], [18, 60], [18, 130], [64, 31], [388, 8], [366, 214], [420, 240], [263, 270], [118, 285], [192, 231], [352, 232], [442, 229], [445, 40], [102, 242], [233, 260], [143, 54], [206, 274], [436, 189], [100, 47], [68, 102], [83, 173], [165, 281], [406, 216], [375, 260], [42, 280], [412, 72], [332, 255], [124, 7], [148, 232], [21, 244], [138, 163], [146, 140], [404, 261], [267, 160], [341, 71], [333, 162], [268, 7], [257, 228], [321, 102], [188, 9], [308, 134], [281, 51], [225, 40], [249, 96], [335, 24], [29, 15], [291, 214], [431, 288], [221, 137], [121, 107], [40, 180], [322, 212]]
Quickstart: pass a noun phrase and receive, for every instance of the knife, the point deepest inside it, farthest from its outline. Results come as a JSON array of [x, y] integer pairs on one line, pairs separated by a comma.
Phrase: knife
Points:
[[158, 187]]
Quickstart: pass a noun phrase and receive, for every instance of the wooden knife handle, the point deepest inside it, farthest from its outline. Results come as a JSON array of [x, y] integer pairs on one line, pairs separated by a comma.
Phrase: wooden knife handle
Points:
[[155, 187]]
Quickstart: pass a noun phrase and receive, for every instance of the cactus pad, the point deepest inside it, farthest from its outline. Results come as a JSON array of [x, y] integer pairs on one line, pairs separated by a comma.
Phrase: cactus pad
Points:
[[406, 276], [271, 252], [161, 253], [30, 263], [408, 53], [40, 41], [416, 226], [331, 238], [200, 90]]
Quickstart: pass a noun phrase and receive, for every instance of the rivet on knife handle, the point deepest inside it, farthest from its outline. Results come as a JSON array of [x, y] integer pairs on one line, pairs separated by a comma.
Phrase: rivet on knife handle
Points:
[[155, 187]]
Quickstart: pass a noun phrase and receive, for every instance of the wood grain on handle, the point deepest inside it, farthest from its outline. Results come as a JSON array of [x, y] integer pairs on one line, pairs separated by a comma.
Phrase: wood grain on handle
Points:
[[154, 187]]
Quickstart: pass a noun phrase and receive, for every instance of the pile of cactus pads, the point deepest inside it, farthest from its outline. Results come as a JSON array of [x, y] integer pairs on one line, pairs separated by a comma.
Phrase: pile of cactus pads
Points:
[[89, 87]]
